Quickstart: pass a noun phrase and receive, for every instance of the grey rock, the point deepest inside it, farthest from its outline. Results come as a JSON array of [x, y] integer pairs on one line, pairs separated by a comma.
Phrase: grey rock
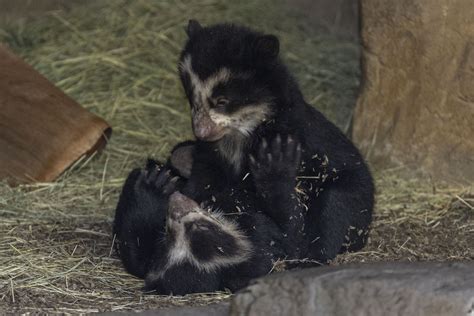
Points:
[[365, 289], [220, 309]]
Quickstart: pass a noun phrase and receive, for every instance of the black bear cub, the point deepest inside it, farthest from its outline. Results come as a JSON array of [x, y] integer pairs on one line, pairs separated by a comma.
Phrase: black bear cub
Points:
[[246, 110], [181, 247]]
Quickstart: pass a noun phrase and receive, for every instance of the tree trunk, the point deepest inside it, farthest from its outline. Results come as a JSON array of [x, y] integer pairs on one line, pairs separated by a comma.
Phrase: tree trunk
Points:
[[417, 102]]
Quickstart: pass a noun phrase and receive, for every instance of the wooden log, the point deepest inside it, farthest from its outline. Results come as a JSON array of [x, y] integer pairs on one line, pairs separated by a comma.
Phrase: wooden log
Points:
[[416, 108], [42, 130]]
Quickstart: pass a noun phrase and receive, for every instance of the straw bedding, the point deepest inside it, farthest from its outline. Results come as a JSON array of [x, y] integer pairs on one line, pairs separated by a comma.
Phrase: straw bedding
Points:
[[118, 59]]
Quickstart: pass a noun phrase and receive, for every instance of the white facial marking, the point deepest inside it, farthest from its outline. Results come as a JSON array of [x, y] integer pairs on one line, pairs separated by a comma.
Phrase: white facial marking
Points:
[[202, 90], [244, 121], [180, 251], [231, 148]]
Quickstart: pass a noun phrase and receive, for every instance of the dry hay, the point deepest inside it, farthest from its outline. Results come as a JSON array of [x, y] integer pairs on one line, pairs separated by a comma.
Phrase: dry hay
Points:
[[418, 220], [118, 59]]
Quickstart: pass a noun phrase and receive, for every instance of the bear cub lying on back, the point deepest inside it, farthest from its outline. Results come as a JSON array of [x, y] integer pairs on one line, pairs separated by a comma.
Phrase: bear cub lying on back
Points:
[[181, 247]]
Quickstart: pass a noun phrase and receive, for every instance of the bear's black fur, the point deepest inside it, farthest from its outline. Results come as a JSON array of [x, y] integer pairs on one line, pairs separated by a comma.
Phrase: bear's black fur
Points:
[[242, 97], [240, 245], [140, 216]]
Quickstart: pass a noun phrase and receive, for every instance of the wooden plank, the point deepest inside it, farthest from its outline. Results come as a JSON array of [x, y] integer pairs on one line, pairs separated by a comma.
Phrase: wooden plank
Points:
[[42, 130]]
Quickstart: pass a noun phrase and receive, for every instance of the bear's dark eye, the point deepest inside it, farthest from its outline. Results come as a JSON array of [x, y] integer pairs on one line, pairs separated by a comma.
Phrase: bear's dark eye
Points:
[[197, 226], [221, 102]]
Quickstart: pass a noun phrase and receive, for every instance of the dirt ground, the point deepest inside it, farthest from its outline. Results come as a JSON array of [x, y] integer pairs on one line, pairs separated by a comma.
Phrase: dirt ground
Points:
[[118, 59]]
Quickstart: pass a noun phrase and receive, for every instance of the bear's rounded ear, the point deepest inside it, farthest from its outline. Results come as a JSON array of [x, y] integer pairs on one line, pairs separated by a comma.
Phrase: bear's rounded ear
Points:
[[193, 28], [266, 47]]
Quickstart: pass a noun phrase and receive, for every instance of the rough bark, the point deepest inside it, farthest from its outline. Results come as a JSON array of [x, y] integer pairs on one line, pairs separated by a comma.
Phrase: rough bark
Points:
[[416, 107]]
